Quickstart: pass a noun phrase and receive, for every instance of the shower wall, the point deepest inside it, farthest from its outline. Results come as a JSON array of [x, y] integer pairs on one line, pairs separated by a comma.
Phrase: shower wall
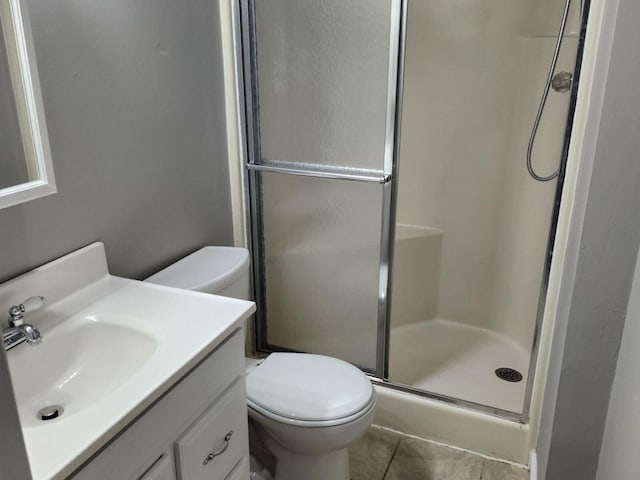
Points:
[[474, 74]]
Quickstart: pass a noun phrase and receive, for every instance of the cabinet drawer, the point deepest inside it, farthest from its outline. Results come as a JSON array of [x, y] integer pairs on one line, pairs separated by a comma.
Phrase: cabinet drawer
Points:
[[215, 443]]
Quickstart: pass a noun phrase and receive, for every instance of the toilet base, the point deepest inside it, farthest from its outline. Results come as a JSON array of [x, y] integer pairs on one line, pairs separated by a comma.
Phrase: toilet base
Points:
[[309, 453], [332, 465]]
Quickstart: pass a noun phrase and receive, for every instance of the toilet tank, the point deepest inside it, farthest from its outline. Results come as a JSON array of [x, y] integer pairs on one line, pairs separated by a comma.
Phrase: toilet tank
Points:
[[218, 270]]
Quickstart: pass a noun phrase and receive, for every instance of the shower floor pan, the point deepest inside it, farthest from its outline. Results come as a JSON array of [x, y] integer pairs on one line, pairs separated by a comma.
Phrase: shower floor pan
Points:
[[457, 360]]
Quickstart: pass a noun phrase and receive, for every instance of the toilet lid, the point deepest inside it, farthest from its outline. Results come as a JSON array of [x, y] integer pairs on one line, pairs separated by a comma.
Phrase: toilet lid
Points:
[[207, 270], [308, 387]]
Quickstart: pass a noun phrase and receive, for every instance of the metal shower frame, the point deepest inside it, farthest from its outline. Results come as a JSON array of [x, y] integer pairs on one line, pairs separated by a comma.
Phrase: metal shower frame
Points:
[[245, 51]]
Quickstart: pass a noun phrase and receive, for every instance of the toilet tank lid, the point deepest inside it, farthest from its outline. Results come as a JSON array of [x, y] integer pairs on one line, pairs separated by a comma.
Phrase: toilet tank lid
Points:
[[209, 269], [302, 386]]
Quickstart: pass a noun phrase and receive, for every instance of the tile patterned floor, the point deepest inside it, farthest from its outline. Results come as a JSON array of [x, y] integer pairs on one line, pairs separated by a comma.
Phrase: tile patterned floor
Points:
[[384, 455]]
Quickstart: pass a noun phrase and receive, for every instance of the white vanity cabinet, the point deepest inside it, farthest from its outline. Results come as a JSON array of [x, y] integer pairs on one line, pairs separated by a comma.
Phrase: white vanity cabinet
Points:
[[217, 441], [197, 430], [163, 469]]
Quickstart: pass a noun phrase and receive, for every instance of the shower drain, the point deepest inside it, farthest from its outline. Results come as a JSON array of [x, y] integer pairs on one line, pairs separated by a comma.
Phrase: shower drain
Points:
[[508, 374]]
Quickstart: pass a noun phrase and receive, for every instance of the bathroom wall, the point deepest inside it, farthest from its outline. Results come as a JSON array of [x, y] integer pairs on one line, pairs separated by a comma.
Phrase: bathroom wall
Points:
[[590, 319], [134, 100], [473, 79], [526, 205], [133, 94], [618, 456], [454, 114], [13, 457]]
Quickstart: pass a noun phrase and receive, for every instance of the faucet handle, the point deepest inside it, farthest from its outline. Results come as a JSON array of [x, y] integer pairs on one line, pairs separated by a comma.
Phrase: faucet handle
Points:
[[32, 303], [17, 311]]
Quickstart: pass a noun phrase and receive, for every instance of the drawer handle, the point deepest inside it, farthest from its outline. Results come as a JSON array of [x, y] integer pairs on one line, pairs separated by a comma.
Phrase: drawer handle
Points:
[[212, 455]]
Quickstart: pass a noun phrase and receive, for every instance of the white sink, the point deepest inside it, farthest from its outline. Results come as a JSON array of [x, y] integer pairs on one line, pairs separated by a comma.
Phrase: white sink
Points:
[[111, 347], [80, 362]]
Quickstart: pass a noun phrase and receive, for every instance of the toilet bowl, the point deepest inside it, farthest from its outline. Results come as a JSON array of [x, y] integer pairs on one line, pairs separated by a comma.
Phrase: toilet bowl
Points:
[[307, 409]]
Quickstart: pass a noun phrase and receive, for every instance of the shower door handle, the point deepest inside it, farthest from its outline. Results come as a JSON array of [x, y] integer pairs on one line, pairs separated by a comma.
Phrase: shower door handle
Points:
[[356, 175]]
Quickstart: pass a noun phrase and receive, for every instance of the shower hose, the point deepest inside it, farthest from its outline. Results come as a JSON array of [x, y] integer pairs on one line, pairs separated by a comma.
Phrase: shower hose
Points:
[[543, 100]]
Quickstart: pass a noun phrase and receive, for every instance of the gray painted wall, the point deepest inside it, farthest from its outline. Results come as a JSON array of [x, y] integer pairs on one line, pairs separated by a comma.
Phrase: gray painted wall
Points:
[[13, 459], [619, 453], [572, 427], [134, 100]]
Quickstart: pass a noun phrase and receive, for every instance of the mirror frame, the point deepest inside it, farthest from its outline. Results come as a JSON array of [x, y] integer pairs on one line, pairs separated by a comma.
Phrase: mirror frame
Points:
[[24, 77]]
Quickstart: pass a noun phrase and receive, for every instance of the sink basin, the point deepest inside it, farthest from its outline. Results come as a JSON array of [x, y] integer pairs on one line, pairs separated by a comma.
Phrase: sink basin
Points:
[[79, 363]]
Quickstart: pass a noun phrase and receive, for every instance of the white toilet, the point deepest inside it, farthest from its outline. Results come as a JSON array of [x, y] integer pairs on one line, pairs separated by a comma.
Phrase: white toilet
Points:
[[307, 408]]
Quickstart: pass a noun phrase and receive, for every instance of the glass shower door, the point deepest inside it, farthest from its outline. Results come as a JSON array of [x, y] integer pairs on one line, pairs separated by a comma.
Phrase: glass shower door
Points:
[[320, 91]]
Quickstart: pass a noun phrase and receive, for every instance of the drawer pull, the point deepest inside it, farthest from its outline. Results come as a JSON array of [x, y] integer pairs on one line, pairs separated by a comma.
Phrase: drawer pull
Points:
[[212, 455]]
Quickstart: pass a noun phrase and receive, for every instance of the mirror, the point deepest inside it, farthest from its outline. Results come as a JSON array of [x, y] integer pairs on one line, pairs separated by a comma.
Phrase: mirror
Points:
[[26, 171]]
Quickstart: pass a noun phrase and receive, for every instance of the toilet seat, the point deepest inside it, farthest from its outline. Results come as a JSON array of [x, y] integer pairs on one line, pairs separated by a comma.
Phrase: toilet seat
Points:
[[309, 390], [312, 423]]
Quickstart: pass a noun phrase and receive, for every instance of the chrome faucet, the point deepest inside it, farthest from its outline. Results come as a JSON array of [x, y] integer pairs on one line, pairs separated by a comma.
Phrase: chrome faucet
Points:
[[18, 331]]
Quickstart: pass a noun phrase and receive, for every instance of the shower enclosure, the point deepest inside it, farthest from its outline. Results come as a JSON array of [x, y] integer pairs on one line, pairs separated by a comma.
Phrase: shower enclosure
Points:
[[394, 223]]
